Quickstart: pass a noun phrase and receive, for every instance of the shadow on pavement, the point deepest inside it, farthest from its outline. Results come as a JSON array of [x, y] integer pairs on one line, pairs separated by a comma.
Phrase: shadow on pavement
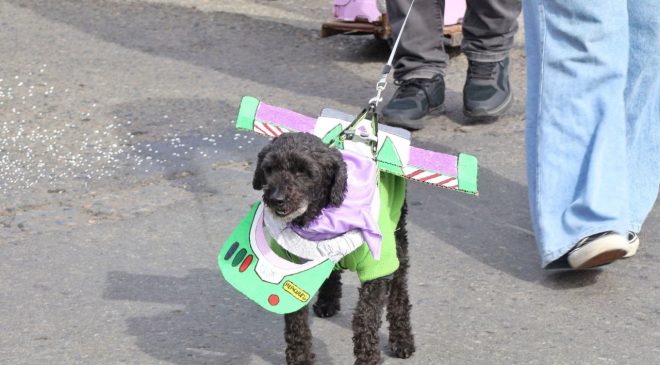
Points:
[[493, 228], [569, 279], [214, 324]]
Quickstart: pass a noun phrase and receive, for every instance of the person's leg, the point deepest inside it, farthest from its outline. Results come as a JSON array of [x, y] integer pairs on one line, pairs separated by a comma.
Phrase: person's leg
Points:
[[576, 129], [489, 28], [419, 63], [642, 98], [421, 53]]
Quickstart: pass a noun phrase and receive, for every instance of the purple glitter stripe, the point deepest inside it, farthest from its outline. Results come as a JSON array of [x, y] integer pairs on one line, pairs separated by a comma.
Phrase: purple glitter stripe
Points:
[[434, 161], [285, 118]]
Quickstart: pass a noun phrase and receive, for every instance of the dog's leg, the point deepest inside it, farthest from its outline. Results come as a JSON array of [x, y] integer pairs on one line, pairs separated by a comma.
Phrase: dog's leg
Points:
[[401, 339], [328, 302], [298, 338], [367, 321]]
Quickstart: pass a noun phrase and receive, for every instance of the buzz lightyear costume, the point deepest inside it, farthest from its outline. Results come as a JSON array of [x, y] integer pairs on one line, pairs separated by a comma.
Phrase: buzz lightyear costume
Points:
[[281, 266]]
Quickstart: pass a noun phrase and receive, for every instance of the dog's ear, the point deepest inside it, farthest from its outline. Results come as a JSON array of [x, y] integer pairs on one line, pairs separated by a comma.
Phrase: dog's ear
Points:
[[259, 179], [338, 189]]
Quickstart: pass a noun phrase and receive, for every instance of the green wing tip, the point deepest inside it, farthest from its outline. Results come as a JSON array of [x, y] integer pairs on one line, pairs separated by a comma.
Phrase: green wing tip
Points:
[[247, 112], [468, 172]]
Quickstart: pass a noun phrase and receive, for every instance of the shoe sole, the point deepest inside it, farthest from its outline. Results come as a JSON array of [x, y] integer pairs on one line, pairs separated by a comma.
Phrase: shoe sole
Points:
[[412, 124], [599, 252], [602, 259], [495, 112]]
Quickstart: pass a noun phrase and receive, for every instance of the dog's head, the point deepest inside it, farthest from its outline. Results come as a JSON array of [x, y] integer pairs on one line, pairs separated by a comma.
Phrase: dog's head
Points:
[[300, 176]]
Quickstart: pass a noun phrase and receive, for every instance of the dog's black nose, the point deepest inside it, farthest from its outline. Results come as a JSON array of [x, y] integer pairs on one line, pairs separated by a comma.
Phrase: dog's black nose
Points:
[[276, 197]]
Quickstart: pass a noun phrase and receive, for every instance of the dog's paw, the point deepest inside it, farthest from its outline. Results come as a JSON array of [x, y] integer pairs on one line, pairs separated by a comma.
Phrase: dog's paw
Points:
[[375, 361], [326, 309], [303, 359], [402, 349]]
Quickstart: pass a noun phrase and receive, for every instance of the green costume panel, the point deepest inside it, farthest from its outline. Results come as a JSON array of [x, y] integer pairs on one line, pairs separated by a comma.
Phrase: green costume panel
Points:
[[392, 189]]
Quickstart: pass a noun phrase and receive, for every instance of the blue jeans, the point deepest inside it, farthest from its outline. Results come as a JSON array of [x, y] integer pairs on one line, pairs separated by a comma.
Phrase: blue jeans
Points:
[[593, 118]]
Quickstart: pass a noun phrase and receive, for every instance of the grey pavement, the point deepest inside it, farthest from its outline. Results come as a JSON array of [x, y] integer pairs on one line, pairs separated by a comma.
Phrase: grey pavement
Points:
[[121, 174]]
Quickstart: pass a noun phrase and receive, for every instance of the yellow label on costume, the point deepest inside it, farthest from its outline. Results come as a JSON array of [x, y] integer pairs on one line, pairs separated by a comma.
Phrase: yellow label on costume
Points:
[[294, 290]]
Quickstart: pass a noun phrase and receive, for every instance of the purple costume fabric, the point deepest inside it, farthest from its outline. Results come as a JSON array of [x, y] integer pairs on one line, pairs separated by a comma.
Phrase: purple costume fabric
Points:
[[355, 212]]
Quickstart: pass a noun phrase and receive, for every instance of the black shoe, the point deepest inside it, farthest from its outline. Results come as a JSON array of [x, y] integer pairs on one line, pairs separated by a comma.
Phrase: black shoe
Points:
[[414, 100], [487, 91]]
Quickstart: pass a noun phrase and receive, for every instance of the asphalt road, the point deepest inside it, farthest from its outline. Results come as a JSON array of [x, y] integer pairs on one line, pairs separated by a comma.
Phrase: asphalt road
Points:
[[121, 174]]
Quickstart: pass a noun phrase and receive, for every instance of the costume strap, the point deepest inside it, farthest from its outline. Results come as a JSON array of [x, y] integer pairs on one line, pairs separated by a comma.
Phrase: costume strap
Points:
[[351, 131]]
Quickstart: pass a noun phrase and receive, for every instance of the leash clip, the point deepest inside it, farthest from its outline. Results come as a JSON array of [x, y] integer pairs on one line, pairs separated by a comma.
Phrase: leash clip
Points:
[[380, 86]]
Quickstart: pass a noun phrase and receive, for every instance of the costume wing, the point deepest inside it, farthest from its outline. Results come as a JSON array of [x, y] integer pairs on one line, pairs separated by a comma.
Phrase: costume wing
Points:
[[394, 152]]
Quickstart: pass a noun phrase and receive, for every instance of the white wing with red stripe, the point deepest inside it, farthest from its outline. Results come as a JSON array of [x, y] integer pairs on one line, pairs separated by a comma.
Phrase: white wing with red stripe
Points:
[[430, 177], [268, 129]]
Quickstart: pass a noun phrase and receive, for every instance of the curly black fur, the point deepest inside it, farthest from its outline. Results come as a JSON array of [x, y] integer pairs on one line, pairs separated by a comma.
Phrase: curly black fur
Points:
[[328, 302], [298, 338], [367, 321], [297, 169], [401, 340]]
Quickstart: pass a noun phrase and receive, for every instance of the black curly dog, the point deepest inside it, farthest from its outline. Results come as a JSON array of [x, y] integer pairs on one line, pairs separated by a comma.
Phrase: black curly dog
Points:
[[300, 175]]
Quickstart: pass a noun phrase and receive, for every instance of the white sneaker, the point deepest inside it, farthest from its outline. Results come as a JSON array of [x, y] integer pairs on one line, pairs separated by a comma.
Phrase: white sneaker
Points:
[[597, 250], [633, 244]]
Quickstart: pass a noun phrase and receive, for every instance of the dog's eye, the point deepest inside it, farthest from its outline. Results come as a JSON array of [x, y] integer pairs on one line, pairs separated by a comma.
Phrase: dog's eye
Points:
[[267, 169]]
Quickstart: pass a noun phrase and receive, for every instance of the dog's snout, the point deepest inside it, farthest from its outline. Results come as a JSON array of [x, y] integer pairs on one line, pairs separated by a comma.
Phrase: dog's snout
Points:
[[277, 197]]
